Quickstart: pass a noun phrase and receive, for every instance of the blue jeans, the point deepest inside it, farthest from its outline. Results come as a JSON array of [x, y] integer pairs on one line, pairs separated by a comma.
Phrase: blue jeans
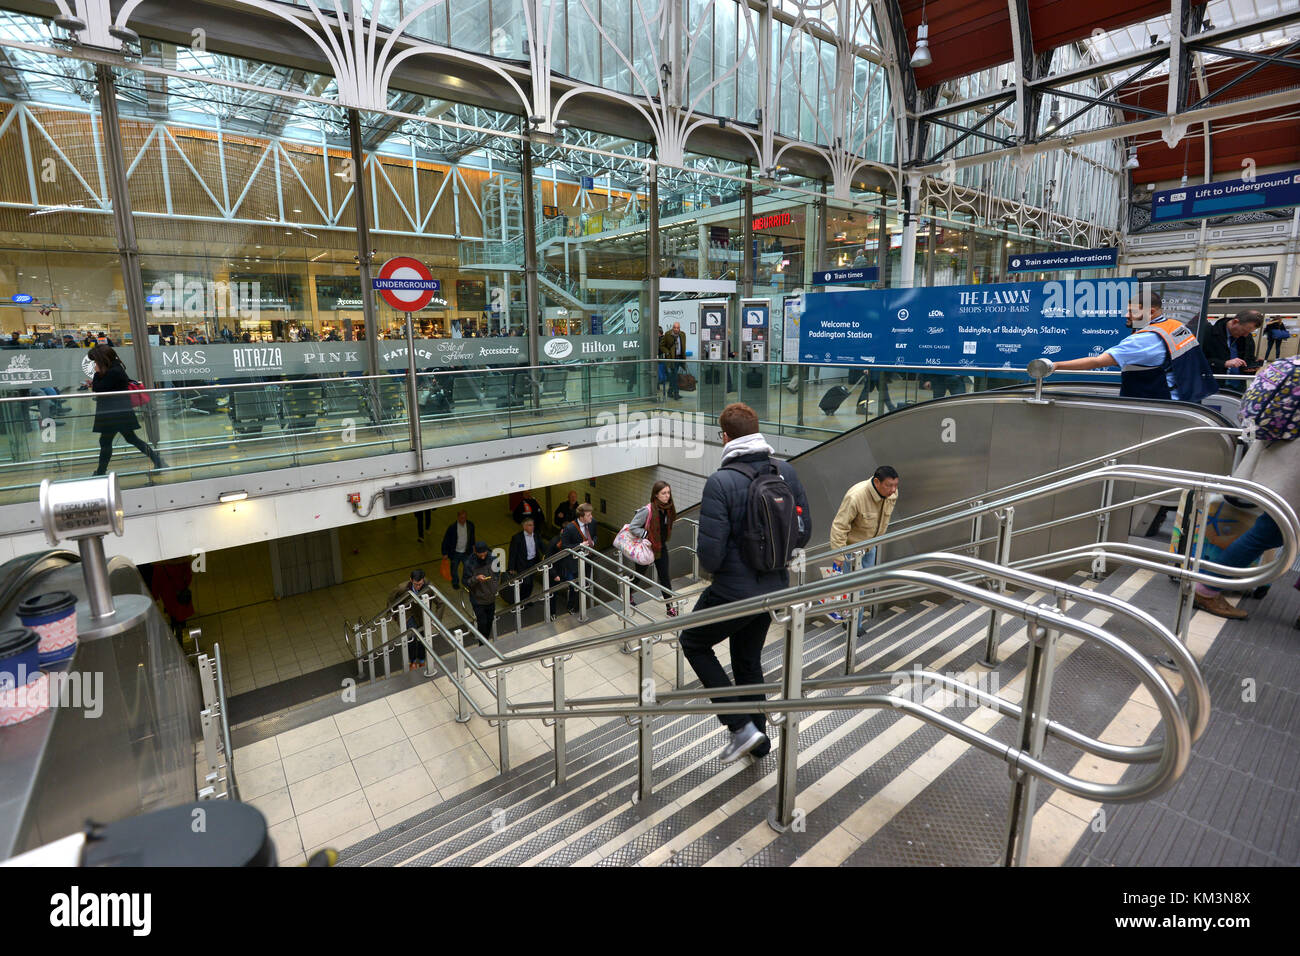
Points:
[[1263, 535], [868, 561]]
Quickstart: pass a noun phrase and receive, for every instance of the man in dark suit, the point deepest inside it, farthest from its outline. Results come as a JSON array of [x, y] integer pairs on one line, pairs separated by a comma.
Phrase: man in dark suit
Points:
[[457, 544], [572, 535], [567, 511], [1229, 344], [525, 551]]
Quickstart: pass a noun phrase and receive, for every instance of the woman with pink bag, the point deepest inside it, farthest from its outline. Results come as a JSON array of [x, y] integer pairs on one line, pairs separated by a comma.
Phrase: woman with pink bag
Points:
[[654, 523]]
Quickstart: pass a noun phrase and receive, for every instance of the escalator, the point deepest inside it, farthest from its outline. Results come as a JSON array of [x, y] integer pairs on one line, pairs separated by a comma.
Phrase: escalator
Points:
[[119, 735], [961, 447]]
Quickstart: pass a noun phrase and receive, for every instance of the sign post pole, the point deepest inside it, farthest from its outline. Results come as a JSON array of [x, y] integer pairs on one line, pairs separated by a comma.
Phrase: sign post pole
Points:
[[413, 396]]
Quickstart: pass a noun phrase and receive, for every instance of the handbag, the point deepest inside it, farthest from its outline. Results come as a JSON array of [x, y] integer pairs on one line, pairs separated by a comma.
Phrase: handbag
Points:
[[637, 550], [444, 568], [139, 396]]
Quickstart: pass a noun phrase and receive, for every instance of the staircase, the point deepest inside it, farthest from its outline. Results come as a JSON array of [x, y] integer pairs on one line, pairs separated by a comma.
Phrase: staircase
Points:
[[875, 787]]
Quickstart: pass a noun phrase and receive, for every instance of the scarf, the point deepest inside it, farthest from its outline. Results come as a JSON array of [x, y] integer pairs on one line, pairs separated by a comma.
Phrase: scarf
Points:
[[746, 445], [652, 525]]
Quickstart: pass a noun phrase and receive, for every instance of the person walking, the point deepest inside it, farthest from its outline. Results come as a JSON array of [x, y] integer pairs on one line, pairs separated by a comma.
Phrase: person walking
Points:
[[573, 535], [456, 544], [423, 523], [114, 413], [528, 507], [568, 510], [865, 511], [654, 522], [1272, 460], [746, 456], [673, 347], [483, 582], [524, 554], [417, 585], [1276, 332]]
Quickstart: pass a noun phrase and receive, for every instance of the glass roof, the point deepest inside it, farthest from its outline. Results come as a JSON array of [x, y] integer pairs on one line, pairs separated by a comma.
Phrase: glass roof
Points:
[[1220, 13]]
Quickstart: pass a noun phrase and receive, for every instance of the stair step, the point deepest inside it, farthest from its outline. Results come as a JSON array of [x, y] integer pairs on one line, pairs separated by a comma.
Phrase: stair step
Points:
[[701, 812]]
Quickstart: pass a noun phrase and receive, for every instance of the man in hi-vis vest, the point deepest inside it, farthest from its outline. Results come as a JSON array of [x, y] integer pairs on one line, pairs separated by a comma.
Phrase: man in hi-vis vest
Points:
[[1161, 359]]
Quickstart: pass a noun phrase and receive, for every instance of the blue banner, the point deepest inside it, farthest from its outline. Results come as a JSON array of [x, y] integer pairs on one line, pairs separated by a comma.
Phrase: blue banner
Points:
[[1103, 258], [837, 276], [992, 326], [1267, 191]]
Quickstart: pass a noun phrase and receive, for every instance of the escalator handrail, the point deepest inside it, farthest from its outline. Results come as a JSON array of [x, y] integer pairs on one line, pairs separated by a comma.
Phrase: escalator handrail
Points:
[[1280, 510], [17, 573], [1061, 472]]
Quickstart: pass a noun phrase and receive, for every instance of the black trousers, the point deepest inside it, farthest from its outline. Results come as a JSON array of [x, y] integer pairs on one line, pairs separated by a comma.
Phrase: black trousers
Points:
[[525, 583], [423, 522], [1274, 345], [661, 564], [106, 447], [484, 614], [747, 636]]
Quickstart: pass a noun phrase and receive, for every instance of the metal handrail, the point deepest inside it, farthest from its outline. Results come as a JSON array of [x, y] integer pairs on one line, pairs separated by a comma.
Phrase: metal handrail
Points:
[[1150, 474], [1091, 462], [1170, 754]]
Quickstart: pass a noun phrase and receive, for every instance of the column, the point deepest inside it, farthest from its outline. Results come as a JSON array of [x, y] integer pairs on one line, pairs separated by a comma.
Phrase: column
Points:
[[127, 250], [364, 253], [533, 301]]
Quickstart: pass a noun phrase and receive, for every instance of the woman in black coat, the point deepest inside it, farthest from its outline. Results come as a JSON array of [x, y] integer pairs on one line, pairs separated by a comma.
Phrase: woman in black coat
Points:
[[114, 413]]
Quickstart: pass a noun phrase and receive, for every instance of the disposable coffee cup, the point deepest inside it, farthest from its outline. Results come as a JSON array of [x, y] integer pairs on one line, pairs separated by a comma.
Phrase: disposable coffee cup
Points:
[[19, 656], [54, 617]]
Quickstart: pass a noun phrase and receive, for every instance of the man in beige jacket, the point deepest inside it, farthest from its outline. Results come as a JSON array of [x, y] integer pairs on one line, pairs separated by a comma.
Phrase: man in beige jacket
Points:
[[864, 513]]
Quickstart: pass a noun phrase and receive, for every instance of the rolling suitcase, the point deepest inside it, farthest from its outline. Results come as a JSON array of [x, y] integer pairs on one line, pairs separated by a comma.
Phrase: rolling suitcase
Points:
[[833, 399]]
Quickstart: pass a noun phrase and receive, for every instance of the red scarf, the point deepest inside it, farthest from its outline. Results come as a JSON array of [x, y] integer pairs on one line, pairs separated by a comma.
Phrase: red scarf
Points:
[[652, 525]]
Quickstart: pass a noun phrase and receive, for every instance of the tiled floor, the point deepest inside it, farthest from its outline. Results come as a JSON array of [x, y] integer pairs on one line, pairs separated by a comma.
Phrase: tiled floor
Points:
[[265, 641], [343, 778]]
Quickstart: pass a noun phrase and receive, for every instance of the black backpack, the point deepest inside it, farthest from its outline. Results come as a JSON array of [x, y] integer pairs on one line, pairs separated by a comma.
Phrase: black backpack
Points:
[[769, 537]]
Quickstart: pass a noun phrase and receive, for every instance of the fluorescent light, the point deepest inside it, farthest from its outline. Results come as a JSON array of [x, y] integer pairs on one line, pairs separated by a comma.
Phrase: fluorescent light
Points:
[[557, 446], [229, 496]]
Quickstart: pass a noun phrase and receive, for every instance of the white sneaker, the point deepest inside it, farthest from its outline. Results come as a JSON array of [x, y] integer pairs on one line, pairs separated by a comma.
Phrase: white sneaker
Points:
[[742, 742]]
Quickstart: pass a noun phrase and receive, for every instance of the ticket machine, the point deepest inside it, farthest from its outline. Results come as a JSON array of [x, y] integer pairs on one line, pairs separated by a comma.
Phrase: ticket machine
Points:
[[755, 329], [714, 341]]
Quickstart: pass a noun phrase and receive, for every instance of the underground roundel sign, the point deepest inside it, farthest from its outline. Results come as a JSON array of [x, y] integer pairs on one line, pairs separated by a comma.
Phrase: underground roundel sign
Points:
[[406, 284]]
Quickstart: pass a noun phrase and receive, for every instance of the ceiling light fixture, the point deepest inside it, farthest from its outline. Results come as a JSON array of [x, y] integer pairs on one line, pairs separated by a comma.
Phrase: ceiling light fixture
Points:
[[1054, 119], [228, 496], [921, 57], [1132, 162]]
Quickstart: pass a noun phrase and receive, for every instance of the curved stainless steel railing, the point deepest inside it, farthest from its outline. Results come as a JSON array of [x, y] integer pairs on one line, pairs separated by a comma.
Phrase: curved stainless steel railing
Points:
[[792, 605]]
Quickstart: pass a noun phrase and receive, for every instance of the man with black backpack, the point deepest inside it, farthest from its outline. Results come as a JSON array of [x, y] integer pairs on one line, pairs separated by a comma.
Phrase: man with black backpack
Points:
[[754, 513]]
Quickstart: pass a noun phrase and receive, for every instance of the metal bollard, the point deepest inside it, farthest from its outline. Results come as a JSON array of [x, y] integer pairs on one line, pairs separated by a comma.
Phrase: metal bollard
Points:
[[1103, 521], [519, 611], [788, 756], [406, 639], [644, 735], [582, 588], [561, 757], [503, 726], [462, 703], [1006, 520]]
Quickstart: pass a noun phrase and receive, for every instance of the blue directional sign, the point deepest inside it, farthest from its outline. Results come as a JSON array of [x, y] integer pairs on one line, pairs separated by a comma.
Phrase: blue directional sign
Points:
[[588, 182], [838, 276], [1266, 191], [1103, 258], [22, 298]]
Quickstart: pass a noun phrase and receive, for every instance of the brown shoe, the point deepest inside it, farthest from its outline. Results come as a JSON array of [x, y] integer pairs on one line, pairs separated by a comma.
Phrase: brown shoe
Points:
[[1218, 606]]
